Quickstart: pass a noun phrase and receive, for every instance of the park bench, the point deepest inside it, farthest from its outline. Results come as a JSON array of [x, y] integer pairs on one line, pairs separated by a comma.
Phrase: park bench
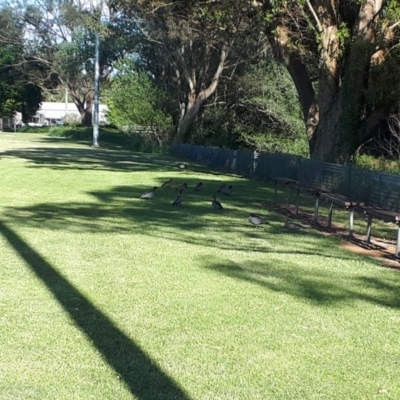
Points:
[[385, 215]]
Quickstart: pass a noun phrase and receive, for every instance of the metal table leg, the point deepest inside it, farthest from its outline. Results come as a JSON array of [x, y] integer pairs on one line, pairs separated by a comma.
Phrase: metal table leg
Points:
[[398, 240], [297, 201], [351, 222], [330, 215], [369, 228], [316, 207]]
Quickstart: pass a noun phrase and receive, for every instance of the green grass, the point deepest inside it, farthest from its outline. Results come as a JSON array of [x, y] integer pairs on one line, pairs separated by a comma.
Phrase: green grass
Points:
[[111, 137], [105, 296]]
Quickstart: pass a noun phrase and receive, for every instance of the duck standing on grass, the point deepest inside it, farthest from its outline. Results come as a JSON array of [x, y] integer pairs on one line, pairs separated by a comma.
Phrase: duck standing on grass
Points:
[[256, 220], [149, 194], [167, 184], [227, 191], [181, 165], [198, 187], [293, 226], [216, 204], [178, 200]]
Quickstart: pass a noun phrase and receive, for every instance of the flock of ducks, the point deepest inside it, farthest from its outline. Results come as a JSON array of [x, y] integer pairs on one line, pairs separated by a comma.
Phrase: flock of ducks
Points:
[[253, 219], [216, 204]]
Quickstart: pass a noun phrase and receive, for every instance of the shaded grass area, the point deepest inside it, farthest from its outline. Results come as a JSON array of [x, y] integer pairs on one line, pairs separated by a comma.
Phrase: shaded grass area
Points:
[[108, 296], [110, 137], [141, 374]]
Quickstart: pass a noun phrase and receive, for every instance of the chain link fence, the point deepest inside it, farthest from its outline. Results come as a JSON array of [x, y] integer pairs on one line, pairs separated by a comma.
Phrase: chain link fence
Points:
[[377, 189]]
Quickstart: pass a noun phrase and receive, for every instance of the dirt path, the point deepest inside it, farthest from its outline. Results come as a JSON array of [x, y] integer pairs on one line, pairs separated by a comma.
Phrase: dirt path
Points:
[[379, 249]]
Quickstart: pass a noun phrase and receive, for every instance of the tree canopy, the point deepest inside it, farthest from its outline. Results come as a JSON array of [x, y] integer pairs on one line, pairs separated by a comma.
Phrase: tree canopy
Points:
[[341, 57], [17, 91], [337, 53], [136, 104]]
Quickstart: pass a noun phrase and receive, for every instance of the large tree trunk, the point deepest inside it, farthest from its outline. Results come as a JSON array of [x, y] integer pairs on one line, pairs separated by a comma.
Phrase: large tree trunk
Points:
[[84, 106], [86, 117], [196, 98], [190, 112], [87, 112], [338, 121], [326, 133]]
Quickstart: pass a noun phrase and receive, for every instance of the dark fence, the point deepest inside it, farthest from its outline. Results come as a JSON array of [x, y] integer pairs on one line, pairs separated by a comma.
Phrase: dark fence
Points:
[[376, 189]]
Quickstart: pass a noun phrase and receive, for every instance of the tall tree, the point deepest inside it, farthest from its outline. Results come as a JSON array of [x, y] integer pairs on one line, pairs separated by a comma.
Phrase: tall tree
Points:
[[59, 37], [336, 52], [17, 91], [136, 105], [189, 47]]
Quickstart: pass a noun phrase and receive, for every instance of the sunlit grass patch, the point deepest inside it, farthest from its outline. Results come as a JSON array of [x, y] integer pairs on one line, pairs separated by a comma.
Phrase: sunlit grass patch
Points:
[[107, 296]]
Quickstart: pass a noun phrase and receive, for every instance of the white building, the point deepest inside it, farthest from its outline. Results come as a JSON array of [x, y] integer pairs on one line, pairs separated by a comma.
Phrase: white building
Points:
[[50, 114]]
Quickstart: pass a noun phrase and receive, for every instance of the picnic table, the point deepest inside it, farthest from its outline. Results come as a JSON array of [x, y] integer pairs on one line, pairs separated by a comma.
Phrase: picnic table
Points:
[[288, 182], [334, 198], [348, 203], [315, 192], [385, 215]]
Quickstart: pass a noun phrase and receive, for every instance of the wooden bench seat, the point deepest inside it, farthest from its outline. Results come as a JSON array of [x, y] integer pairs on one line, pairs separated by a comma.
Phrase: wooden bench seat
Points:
[[342, 200], [385, 215]]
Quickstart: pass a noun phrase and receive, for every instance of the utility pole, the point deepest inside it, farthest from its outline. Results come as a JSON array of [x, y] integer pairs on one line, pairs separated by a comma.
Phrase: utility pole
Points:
[[66, 101], [96, 92]]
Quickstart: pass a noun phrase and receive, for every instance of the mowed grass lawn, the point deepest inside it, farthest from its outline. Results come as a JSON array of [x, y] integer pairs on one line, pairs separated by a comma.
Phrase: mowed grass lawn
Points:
[[106, 296]]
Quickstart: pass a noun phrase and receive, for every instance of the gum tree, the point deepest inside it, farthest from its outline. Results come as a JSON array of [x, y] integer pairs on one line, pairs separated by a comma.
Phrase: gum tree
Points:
[[339, 54], [190, 47]]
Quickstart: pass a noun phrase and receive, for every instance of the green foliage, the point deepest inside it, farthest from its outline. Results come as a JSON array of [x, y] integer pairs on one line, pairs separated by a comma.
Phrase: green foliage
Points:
[[109, 136], [16, 92], [72, 120], [383, 90], [377, 163], [344, 36], [270, 86], [136, 104], [34, 129], [70, 59], [393, 9], [266, 117], [217, 128]]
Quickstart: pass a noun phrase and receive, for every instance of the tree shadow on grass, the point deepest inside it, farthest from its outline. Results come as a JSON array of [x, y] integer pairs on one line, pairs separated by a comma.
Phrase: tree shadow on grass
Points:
[[322, 288], [140, 373], [120, 210], [75, 158]]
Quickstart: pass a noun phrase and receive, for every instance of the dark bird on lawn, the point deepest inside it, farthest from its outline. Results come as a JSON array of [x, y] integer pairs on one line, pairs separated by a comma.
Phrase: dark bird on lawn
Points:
[[256, 220], [178, 200], [216, 204], [198, 187], [221, 187], [293, 226], [227, 191], [167, 184], [149, 194], [181, 165], [182, 187]]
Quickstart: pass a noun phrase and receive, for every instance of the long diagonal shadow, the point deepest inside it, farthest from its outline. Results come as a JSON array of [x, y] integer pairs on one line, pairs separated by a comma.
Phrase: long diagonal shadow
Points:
[[140, 373]]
